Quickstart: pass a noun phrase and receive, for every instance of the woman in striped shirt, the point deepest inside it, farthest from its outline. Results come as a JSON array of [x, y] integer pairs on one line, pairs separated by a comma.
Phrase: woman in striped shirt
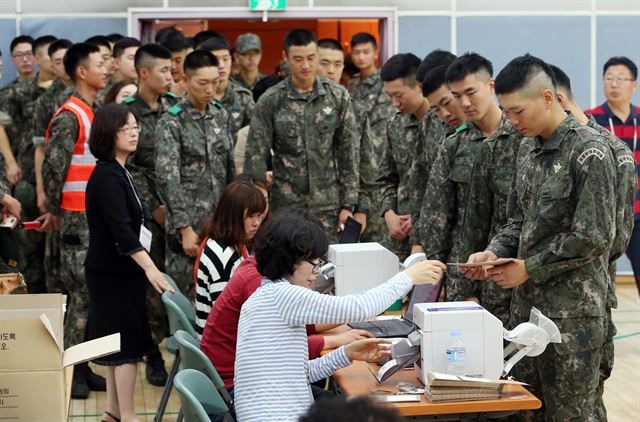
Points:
[[238, 215], [272, 369]]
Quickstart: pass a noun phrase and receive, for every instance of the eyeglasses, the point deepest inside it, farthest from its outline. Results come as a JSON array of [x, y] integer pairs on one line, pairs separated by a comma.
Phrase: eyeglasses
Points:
[[609, 80], [131, 130], [316, 265], [25, 55]]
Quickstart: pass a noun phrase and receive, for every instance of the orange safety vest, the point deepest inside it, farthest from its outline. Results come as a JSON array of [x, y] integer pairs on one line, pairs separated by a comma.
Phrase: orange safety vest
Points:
[[82, 161]]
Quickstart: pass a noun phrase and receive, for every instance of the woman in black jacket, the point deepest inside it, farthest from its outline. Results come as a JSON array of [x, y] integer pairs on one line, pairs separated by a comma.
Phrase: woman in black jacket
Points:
[[118, 266]]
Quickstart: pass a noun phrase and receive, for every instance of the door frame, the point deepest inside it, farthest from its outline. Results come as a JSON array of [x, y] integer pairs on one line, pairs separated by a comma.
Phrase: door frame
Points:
[[388, 17]]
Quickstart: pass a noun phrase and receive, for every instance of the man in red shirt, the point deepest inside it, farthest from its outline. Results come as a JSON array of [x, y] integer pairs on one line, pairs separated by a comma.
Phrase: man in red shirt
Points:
[[221, 330]]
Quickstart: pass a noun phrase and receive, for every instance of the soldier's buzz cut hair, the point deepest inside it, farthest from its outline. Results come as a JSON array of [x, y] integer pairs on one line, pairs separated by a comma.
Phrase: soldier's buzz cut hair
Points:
[[43, 41], [330, 44], [22, 39], [77, 55], [624, 61], [527, 74], [148, 54], [175, 43], [202, 36], [99, 41], [468, 64], [115, 37], [215, 44], [298, 38], [123, 44], [197, 60], [61, 44], [363, 38], [432, 60], [401, 66], [562, 80], [433, 80]]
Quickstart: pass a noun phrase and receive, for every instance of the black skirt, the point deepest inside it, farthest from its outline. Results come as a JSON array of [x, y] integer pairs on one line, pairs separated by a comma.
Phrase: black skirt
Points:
[[117, 304]]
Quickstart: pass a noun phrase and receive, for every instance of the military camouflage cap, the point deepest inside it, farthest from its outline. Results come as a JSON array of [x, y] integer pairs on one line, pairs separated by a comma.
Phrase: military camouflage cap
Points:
[[247, 42]]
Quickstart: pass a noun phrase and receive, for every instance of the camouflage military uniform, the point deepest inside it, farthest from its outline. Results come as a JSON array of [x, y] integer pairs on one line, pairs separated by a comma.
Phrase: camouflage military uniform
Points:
[[562, 223], [401, 174], [238, 102], [21, 102], [626, 183], [373, 109], [142, 167], [315, 142], [194, 162], [74, 232], [492, 186], [433, 135], [454, 222], [240, 80], [46, 106]]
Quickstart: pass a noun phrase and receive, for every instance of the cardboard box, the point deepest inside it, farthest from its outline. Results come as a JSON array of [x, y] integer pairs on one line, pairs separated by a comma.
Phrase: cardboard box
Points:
[[33, 379]]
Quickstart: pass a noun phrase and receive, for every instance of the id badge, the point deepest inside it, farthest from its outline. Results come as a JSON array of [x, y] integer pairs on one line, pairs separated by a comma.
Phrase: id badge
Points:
[[145, 238]]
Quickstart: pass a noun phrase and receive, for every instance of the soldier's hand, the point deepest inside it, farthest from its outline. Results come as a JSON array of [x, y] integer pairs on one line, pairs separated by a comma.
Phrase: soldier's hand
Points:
[[158, 281], [14, 174], [159, 215], [477, 273], [509, 275], [342, 219], [426, 272], [416, 249], [190, 244], [11, 206], [393, 224], [361, 218], [269, 177], [406, 224], [49, 222]]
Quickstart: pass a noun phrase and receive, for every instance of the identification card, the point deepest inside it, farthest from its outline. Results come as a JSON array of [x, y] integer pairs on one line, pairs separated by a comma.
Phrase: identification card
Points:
[[145, 238]]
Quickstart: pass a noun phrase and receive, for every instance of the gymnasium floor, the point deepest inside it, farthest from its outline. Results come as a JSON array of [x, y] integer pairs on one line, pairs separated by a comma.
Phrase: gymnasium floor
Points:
[[622, 391]]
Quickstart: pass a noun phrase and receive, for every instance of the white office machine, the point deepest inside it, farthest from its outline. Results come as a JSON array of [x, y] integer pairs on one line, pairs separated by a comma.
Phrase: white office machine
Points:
[[482, 335], [356, 267]]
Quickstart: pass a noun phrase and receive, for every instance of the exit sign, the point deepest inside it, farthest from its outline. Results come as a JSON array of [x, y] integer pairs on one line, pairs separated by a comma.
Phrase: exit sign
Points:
[[268, 4]]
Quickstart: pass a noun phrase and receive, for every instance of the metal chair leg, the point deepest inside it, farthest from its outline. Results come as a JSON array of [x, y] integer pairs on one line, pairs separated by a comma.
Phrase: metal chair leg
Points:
[[167, 390]]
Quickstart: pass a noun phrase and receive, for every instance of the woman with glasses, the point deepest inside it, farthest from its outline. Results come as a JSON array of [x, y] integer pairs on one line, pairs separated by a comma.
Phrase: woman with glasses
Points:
[[118, 266], [272, 367]]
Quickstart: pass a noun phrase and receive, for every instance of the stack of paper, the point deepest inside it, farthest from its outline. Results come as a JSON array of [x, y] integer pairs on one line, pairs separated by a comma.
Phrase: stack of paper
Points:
[[444, 388]]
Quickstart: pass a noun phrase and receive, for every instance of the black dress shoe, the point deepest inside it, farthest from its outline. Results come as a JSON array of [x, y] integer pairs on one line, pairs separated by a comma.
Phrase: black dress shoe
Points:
[[79, 388], [155, 370]]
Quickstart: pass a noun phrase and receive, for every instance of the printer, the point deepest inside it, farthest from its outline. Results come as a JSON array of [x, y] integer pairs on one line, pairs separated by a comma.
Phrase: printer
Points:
[[356, 267], [481, 333]]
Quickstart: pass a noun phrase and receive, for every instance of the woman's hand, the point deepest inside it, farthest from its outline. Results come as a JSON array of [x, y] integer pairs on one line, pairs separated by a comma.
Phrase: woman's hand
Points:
[[426, 272], [158, 281], [369, 349], [336, 340]]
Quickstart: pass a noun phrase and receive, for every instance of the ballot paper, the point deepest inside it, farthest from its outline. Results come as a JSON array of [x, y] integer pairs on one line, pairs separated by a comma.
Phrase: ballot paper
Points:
[[499, 261]]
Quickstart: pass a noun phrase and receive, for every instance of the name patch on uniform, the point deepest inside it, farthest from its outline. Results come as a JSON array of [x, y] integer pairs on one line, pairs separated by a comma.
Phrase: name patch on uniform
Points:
[[589, 153], [626, 159]]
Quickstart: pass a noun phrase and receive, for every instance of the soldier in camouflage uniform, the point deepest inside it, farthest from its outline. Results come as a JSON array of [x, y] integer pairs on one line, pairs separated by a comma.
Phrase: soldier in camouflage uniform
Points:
[[10, 206], [401, 173], [466, 197], [561, 227], [64, 132], [194, 162], [153, 99], [236, 100], [248, 55], [626, 184], [373, 110], [309, 124], [21, 102]]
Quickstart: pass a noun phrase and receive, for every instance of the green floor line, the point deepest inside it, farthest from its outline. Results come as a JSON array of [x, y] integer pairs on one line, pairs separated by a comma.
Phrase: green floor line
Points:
[[138, 414], [627, 335]]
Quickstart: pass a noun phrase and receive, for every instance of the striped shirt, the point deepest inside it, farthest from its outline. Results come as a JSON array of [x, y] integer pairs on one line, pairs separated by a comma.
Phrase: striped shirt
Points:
[[628, 131], [216, 265], [272, 369]]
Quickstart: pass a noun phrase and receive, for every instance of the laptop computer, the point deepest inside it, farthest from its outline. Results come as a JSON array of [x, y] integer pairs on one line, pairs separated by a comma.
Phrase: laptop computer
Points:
[[402, 327]]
